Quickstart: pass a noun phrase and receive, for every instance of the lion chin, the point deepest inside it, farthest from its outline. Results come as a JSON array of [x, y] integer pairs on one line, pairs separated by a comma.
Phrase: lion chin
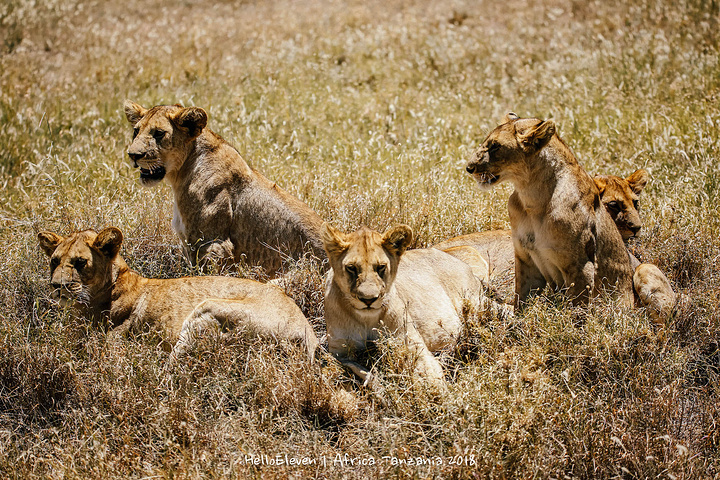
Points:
[[486, 180], [152, 176]]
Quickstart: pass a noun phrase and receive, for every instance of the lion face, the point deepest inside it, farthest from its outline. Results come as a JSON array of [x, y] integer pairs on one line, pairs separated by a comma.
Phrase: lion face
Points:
[[620, 197], [365, 263], [503, 154], [81, 264], [162, 138]]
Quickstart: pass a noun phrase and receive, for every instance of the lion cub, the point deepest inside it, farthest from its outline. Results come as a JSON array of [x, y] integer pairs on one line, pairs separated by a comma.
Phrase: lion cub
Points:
[[87, 272], [562, 234], [375, 284], [621, 197], [224, 211]]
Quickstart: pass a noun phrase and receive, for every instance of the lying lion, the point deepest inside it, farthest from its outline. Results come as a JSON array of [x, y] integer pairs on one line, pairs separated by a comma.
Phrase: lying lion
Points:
[[562, 235], [620, 196], [375, 284], [224, 211], [87, 272]]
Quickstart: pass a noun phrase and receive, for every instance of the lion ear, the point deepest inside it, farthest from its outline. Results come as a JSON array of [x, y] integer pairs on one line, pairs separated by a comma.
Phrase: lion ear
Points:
[[108, 242], [192, 120], [510, 117], [334, 241], [534, 138], [601, 182], [49, 242], [397, 239], [134, 112], [638, 180]]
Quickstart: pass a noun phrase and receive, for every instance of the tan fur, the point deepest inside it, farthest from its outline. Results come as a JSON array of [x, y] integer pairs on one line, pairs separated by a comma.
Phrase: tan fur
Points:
[[496, 248], [562, 235], [472, 257], [654, 291], [375, 284], [87, 272], [224, 211]]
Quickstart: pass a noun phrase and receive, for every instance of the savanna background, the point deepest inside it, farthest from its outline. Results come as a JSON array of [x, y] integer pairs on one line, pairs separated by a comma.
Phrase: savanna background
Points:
[[367, 110]]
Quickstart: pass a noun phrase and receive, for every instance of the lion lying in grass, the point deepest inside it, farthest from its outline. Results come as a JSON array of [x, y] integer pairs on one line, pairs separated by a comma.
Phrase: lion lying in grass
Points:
[[224, 211], [562, 235], [374, 284], [87, 272]]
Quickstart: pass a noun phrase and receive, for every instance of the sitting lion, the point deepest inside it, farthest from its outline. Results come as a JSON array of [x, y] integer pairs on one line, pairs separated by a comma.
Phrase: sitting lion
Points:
[[375, 284], [224, 210], [87, 272], [562, 235]]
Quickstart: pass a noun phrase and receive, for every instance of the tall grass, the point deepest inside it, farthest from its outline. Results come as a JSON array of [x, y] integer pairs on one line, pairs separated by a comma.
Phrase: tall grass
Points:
[[366, 110]]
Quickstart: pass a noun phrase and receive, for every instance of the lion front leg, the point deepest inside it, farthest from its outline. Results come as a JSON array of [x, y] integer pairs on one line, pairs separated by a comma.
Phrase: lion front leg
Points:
[[528, 279], [427, 366], [580, 283], [365, 375], [655, 292]]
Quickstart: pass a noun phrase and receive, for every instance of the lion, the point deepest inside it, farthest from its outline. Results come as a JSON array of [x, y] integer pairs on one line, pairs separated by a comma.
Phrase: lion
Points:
[[374, 284], [87, 273], [224, 211], [620, 196], [563, 237]]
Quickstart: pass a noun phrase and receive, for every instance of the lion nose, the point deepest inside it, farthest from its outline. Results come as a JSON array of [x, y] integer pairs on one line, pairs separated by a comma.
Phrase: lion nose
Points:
[[368, 301], [135, 157], [470, 168], [635, 229]]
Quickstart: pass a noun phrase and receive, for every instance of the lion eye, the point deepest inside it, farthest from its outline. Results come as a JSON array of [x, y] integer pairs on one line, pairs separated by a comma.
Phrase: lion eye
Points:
[[636, 204], [135, 132], [493, 147], [351, 270], [158, 135], [613, 205], [80, 263], [381, 269], [54, 262]]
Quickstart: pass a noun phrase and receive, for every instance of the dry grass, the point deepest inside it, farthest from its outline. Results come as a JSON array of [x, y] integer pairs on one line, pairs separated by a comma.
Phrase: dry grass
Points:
[[366, 110]]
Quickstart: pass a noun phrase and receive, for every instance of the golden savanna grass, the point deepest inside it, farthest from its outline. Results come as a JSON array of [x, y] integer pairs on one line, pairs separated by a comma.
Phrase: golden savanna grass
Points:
[[367, 110]]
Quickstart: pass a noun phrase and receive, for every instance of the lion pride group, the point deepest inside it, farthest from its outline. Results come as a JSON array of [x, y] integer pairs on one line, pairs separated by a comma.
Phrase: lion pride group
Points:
[[568, 233]]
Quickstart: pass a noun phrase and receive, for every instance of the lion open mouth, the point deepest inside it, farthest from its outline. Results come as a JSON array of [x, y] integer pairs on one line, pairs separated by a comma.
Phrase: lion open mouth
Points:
[[152, 173]]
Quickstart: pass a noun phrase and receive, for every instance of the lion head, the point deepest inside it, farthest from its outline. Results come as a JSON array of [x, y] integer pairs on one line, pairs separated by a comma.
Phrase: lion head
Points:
[[81, 265], [365, 263], [620, 197], [162, 138], [503, 154]]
